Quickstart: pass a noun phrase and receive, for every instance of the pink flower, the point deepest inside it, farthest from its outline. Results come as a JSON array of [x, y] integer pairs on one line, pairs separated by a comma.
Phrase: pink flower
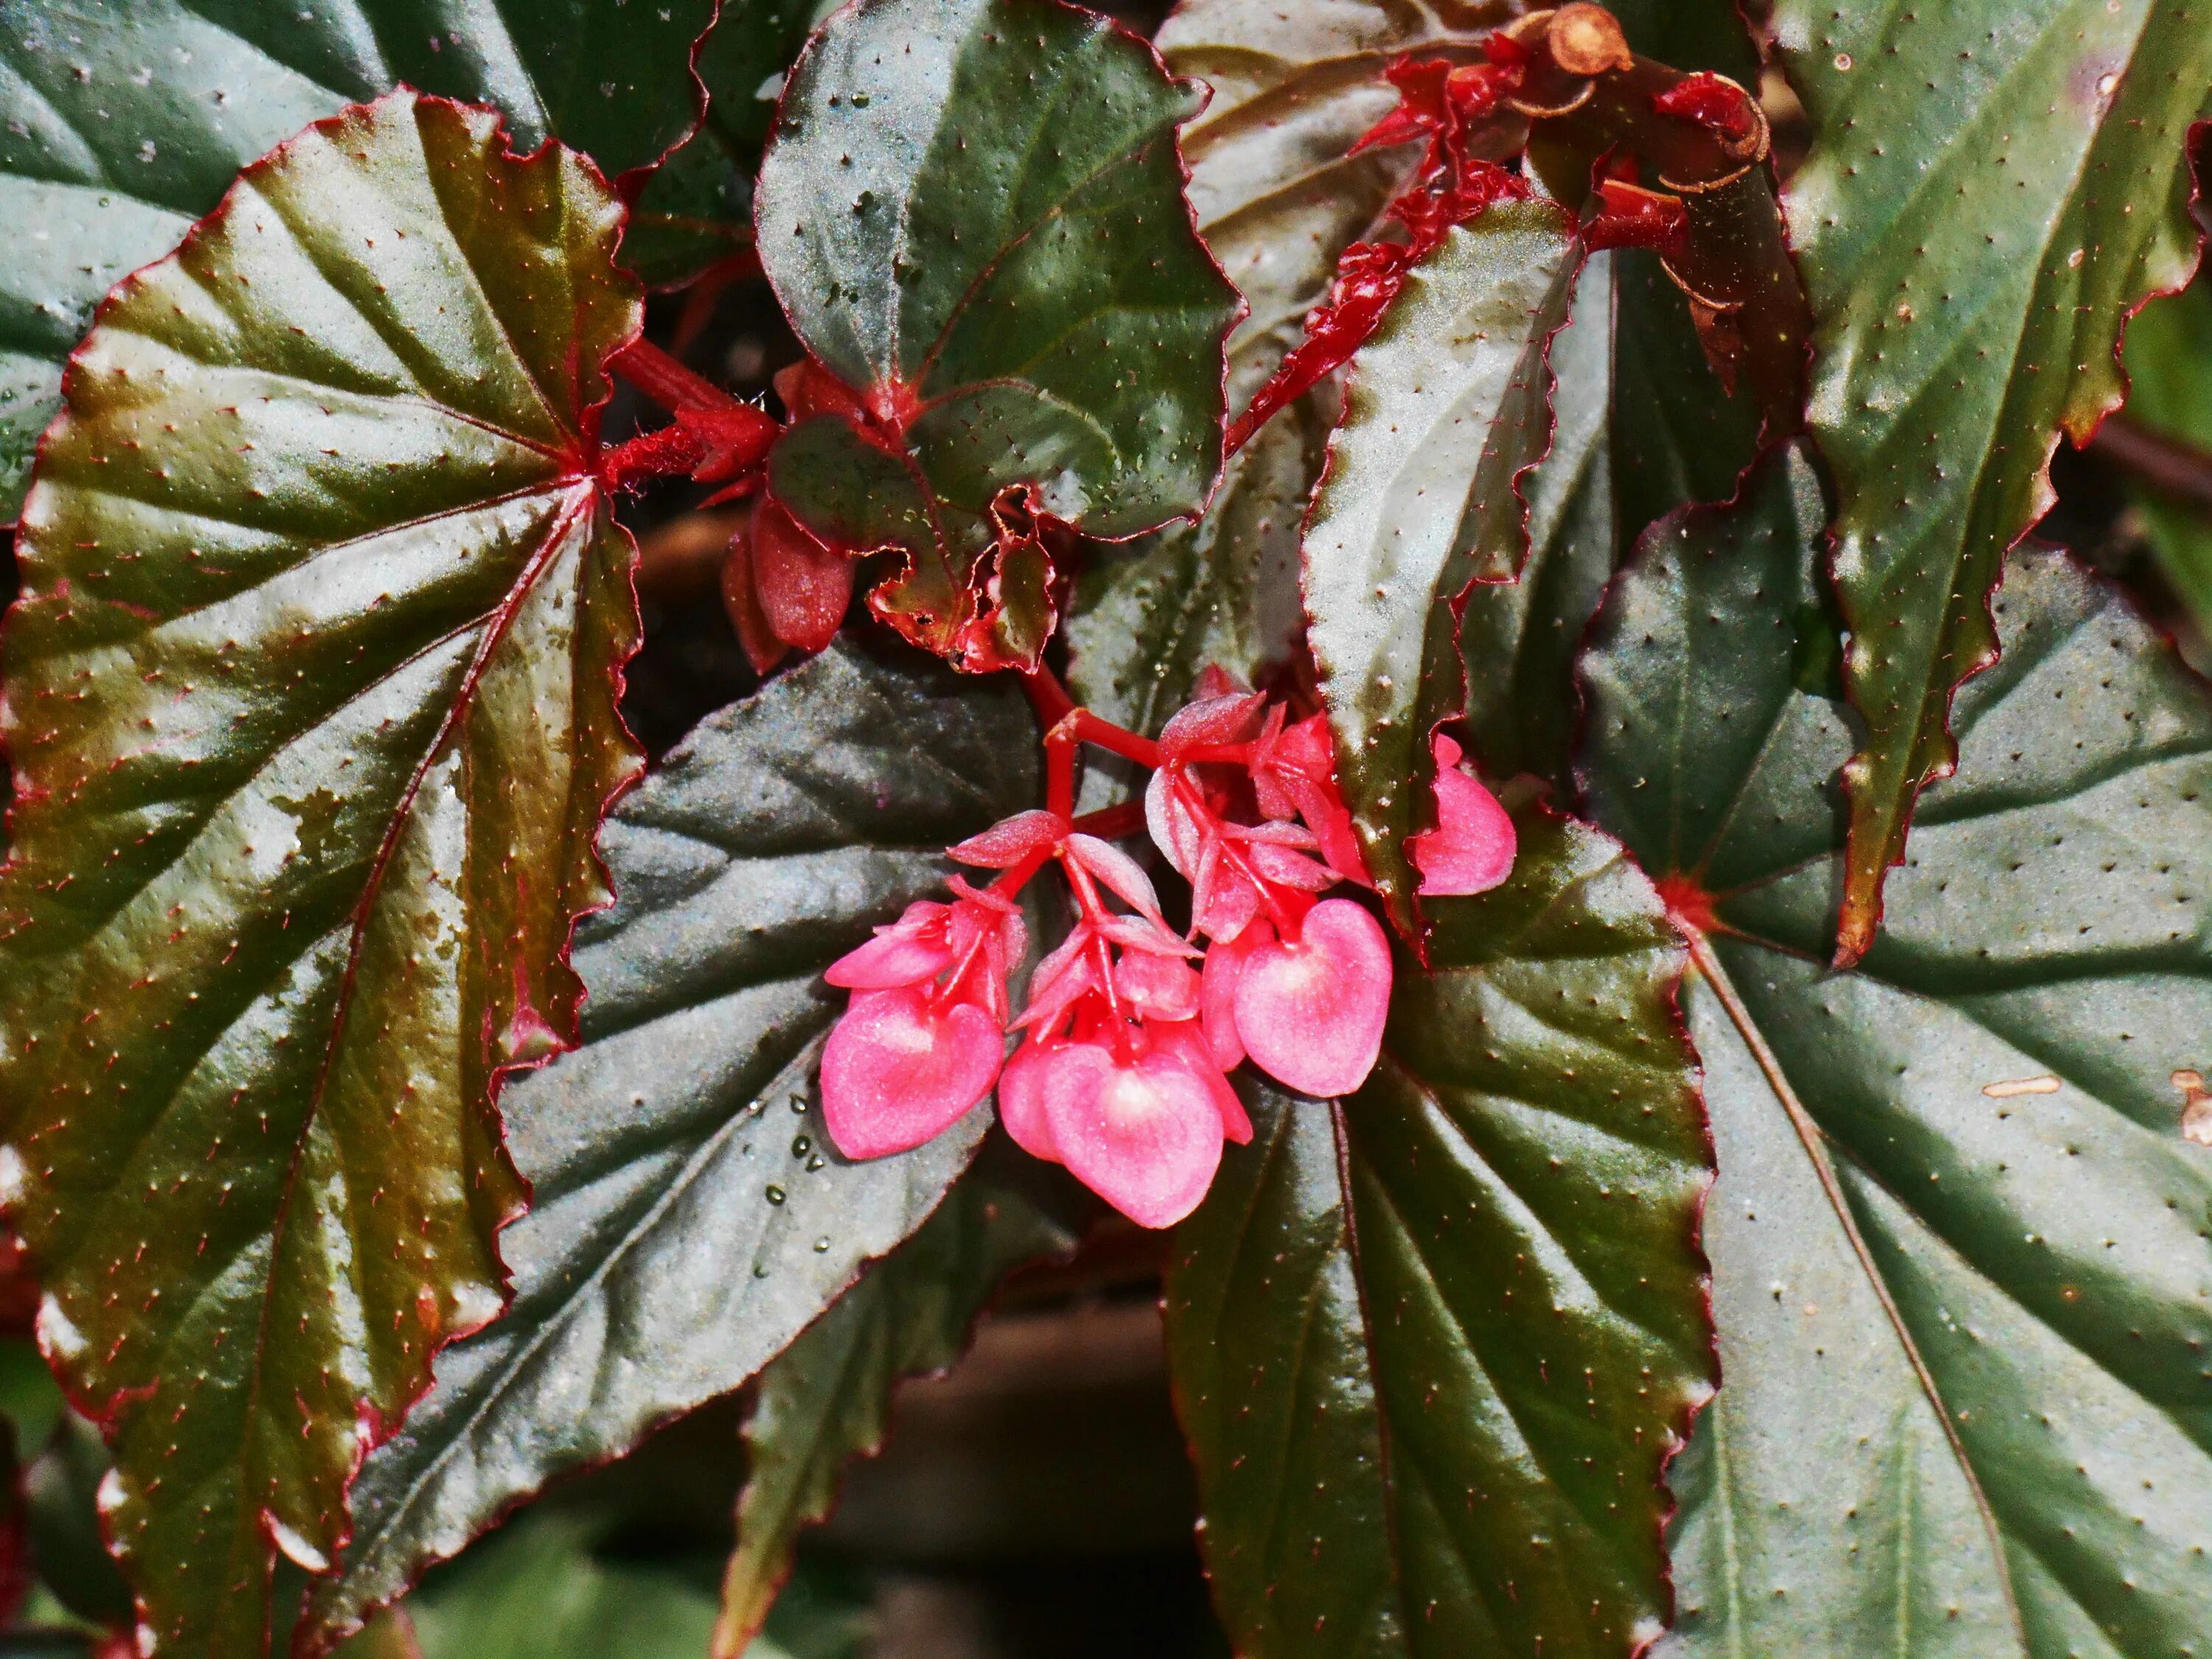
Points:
[[1308, 1004], [1135, 1114], [923, 1039], [1471, 849]]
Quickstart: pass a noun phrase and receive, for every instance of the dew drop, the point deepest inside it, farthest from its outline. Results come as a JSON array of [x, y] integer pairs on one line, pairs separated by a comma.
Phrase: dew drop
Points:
[[821, 1247], [800, 1145], [775, 1194]]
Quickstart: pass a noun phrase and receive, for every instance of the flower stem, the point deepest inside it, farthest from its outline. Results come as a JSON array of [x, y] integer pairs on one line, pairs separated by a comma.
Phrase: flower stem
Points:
[[666, 381]]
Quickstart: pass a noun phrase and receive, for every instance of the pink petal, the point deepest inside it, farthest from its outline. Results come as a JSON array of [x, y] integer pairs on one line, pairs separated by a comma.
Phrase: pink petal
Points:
[[1326, 815], [1175, 829], [1006, 844], [1122, 875], [1310, 1010], [1471, 849], [1146, 1136], [1217, 994], [1234, 718], [896, 1072], [1157, 986], [1021, 1098], [1069, 973], [1183, 1039], [911, 950]]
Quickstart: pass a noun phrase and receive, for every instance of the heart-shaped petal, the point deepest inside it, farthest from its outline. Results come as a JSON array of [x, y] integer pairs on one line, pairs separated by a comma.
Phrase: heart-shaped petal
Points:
[[1021, 1098], [1145, 1135], [1217, 994], [898, 1072], [1310, 1010], [1184, 1039]]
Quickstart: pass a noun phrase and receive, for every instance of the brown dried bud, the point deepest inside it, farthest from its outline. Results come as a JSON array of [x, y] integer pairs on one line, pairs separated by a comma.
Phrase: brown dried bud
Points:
[[1586, 39]]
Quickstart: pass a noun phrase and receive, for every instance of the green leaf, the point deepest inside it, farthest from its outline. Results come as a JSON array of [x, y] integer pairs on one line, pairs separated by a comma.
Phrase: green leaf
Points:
[[1642, 427], [311, 696], [1448, 405], [1278, 199], [1960, 1253], [2169, 364], [826, 1399], [1990, 192], [972, 211], [1484, 1267], [690, 1216], [696, 208], [121, 123], [538, 1591]]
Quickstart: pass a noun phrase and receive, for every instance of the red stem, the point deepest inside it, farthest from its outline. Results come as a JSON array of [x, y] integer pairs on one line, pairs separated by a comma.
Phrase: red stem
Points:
[[1114, 822], [666, 381]]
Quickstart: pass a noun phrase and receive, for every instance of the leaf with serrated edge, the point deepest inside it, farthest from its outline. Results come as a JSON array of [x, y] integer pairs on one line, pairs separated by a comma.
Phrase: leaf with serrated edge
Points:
[[658, 1268], [972, 211], [311, 696], [2169, 363], [1641, 426], [1990, 191], [122, 122], [696, 208], [1517, 1186], [1278, 198], [826, 1399], [1446, 406], [1960, 1266]]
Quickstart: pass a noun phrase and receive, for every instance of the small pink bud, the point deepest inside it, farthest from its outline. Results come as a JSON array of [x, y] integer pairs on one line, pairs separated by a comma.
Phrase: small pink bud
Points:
[[900, 1069], [1471, 849], [1009, 842], [1144, 1134], [1310, 1010], [1157, 986]]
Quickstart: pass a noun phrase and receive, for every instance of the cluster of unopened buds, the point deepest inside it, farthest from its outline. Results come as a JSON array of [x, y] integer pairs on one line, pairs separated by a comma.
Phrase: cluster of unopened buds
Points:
[[1130, 1029]]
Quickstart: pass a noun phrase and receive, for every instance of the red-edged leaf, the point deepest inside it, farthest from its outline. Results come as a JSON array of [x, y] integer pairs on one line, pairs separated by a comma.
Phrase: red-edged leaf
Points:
[[972, 211], [311, 696]]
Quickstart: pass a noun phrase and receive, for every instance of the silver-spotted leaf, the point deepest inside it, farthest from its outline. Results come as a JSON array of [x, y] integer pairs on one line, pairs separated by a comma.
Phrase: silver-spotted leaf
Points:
[[1990, 192], [690, 1218], [1448, 405], [972, 211], [1960, 1267], [123, 121]]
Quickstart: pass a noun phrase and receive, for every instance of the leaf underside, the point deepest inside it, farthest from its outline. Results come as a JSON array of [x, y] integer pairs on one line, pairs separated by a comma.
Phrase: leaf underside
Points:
[[311, 696], [1431, 1344], [1971, 286], [1446, 406], [122, 121], [972, 213], [1960, 1264], [690, 1216]]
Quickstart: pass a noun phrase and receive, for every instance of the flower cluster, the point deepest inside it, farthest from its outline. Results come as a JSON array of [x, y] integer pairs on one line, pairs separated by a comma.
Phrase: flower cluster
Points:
[[1130, 1030]]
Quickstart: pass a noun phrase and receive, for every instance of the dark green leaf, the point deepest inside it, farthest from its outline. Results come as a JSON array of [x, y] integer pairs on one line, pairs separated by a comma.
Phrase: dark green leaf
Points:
[[1960, 1267], [61, 1488], [1276, 1392], [122, 121], [311, 696], [2169, 364], [1446, 405], [826, 1399], [973, 213], [1514, 1194], [1642, 426], [690, 1216], [696, 210], [1990, 189], [1278, 199]]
